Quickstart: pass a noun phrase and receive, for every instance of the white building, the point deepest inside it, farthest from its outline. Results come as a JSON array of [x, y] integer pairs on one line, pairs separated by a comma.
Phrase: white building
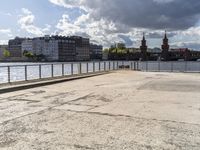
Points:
[[27, 45], [42, 46], [50, 48]]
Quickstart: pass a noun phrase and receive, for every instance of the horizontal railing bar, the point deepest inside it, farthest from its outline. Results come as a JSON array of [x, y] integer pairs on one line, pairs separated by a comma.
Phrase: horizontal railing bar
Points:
[[56, 63]]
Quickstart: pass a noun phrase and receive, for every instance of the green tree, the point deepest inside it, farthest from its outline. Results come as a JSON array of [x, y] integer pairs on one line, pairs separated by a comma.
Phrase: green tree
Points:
[[106, 50], [121, 46], [6, 53], [28, 54]]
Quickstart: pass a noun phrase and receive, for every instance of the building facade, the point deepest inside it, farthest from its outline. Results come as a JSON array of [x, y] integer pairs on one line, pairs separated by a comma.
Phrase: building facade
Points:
[[55, 48], [82, 48], [15, 47], [27, 45], [96, 51], [52, 48], [66, 49]]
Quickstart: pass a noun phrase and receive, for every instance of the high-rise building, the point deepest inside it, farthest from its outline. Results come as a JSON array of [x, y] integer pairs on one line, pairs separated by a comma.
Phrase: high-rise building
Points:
[[15, 47], [143, 49], [96, 51], [165, 48]]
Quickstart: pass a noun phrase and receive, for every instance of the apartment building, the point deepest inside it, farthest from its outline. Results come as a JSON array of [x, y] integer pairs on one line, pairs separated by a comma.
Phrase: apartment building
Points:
[[96, 51], [54, 48], [82, 48], [15, 47]]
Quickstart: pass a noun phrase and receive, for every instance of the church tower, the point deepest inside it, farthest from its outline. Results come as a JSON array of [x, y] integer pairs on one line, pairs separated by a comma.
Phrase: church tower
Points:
[[165, 48], [143, 49]]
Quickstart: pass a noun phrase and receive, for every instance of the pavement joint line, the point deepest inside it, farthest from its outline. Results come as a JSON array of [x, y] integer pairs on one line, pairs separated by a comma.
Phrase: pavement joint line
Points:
[[96, 113], [24, 100], [77, 99], [11, 88], [82, 105], [56, 95], [46, 108], [6, 121], [128, 116]]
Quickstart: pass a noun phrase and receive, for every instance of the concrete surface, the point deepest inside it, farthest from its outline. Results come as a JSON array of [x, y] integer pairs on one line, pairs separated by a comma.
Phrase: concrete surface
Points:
[[122, 110]]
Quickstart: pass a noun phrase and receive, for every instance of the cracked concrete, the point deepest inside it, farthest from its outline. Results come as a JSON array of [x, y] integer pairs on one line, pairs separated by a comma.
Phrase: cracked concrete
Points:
[[122, 110]]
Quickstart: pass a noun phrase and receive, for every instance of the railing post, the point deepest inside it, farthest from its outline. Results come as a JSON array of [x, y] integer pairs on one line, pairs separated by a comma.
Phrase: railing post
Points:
[[25, 69], [40, 71], [135, 65], [87, 70], [72, 68], [80, 68], [131, 65], [52, 70], [104, 66], [63, 70], [99, 66], [109, 66], [146, 66], [93, 67], [117, 65], [8, 74]]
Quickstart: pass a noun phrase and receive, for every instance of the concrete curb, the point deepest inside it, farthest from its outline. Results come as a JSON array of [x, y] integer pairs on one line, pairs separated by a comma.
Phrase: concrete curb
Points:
[[39, 83]]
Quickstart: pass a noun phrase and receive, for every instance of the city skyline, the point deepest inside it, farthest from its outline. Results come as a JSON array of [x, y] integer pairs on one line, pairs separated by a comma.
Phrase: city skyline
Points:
[[113, 21]]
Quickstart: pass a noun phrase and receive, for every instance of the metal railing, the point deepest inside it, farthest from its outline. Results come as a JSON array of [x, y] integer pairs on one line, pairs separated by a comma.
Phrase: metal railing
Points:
[[172, 66], [28, 72]]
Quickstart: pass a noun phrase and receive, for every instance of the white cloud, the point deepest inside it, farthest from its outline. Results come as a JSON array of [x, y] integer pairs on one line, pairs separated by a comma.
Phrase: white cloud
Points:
[[189, 44], [111, 21], [193, 31], [102, 31], [26, 22], [6, 32], [66, 3], [3, 42]]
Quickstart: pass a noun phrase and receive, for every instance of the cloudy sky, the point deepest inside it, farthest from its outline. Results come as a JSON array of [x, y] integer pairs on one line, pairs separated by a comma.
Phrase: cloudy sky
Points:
[[104, 21]]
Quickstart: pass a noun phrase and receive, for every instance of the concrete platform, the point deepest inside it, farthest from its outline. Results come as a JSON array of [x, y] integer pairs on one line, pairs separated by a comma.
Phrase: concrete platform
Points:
[[121, 110]]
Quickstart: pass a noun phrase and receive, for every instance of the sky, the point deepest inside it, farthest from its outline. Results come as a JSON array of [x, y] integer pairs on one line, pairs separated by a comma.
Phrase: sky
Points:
[[105, 22]]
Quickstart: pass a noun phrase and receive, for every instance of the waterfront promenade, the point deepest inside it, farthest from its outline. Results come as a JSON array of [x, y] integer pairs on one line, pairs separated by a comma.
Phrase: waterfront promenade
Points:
[[120, 110]]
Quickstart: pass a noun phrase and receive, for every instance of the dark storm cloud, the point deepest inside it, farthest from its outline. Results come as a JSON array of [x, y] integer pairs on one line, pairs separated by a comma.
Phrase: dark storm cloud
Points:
[[156, 35], [152, 14]]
